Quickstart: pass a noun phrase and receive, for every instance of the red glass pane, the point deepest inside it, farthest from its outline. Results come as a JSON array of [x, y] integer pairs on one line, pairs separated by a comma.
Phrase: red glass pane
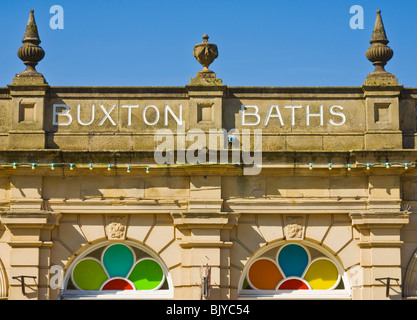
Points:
[[117, 284], [293, 284]]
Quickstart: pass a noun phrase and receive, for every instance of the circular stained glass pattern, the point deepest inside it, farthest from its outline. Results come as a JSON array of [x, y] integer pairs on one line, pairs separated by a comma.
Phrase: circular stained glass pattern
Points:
[[293, 268], [117, 269]]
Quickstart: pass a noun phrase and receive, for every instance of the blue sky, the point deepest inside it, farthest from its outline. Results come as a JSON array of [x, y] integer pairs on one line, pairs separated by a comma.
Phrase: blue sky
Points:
[[261, 43]]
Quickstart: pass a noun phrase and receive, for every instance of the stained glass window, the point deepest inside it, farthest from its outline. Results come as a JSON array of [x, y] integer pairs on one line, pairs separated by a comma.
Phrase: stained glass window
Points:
[[117, 268], [294, 269]]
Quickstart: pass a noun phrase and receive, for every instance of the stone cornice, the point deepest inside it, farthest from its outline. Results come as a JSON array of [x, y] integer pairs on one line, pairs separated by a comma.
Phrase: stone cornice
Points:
[[50, 154], [211, 220], [393, 219], [30, 219]]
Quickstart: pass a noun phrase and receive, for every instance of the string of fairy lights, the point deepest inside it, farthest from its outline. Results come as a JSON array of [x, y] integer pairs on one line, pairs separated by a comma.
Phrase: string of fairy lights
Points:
[[148, 168]]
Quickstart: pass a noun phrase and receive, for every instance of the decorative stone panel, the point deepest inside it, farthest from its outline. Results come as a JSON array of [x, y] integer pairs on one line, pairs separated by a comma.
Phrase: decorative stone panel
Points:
[[294, 227], [116, 227]]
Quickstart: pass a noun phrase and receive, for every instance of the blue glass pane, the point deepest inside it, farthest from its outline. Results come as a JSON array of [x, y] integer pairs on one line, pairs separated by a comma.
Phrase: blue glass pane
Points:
[[293, 260]]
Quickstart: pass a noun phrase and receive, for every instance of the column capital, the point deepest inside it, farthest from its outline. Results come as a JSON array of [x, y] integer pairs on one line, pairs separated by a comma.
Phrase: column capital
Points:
[[395, 219], [22, 219]]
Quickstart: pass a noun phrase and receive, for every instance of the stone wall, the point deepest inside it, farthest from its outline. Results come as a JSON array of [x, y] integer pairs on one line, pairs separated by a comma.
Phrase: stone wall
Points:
[[194, 219]]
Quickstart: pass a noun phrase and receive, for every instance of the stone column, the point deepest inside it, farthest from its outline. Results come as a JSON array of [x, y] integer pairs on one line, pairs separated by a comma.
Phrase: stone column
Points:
[[30, 242], [380, 253]]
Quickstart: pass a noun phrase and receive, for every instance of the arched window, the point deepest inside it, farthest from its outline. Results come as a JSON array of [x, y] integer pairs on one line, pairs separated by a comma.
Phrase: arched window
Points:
[[410, 279], [117, 270], [3, 282], [293, 270]]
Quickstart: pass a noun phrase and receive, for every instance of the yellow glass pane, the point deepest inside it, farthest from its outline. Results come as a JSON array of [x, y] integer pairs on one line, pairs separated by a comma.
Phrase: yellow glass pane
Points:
[[322, 274]]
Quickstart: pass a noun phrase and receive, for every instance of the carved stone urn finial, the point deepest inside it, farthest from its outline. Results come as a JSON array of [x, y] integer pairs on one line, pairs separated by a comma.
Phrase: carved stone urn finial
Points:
[[379, 53], [31, 53], [205, 53]]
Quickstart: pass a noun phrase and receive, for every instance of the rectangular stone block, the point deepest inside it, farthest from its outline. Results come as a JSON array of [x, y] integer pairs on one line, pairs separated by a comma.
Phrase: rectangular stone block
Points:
[[343, 142], [26, 187], [409, 187], [298, 187], [348, 187], [243, 187], [110, 142], [68, 142], [205, 187], [27, 140], [160, 187], [383, 141], [304, 142], [386, 256], [61, 187], [385, 235], [112, 187], [24, 257], [384, 187], [144, 142], [273, 142]]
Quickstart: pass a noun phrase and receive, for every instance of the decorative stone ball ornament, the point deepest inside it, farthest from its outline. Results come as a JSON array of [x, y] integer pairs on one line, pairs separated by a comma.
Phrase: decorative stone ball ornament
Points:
[[379, 53], [31, 53]]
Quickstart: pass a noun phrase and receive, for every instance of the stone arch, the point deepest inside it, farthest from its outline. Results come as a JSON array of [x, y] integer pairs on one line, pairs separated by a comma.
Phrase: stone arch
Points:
[[95, 252], [4, 284], [154, 231]]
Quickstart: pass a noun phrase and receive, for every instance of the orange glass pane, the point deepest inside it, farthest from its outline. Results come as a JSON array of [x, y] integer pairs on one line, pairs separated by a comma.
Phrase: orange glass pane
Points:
[[264, 274]]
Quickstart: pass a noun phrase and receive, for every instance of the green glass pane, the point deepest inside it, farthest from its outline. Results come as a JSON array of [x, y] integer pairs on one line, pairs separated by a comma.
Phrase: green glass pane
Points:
[[88, 274], [146, 275], [245, 284], [340, 286], [118, 260]]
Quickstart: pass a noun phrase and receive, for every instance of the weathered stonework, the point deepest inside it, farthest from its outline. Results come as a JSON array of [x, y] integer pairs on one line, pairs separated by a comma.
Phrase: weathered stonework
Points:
[[78, 173]]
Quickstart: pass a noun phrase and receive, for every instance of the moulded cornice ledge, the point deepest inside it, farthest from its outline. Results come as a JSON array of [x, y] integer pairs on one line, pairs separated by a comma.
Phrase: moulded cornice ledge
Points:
[[218, 220], [30, 219], [380, 219]]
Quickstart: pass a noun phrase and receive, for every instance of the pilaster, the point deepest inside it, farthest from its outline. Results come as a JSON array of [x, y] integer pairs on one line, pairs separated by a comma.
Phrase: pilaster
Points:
[[382, 111], [29, 95], [206, 104], [30, 241], [205, 240], [380, 253]]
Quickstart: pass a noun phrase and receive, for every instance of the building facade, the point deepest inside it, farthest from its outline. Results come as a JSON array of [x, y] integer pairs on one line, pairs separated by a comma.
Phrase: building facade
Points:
[[207, 191]]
